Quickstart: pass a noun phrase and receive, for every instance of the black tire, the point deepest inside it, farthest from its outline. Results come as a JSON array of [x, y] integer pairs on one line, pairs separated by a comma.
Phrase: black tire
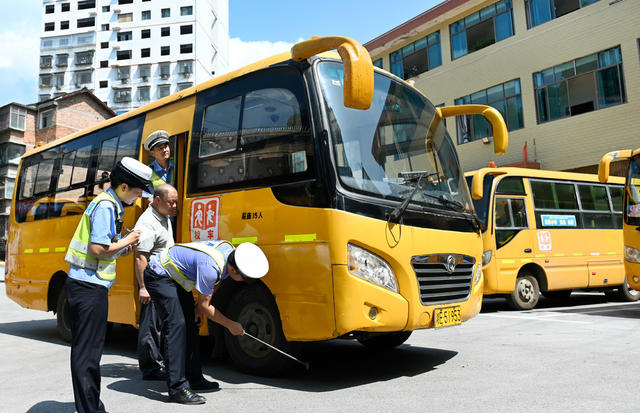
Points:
[[557, 295], [255, 309], [62, 315], [526, 293], [384, 341], [626, 293]]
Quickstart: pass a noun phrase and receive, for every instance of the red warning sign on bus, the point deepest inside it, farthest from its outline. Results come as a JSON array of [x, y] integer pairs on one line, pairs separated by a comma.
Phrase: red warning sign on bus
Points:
[[204, 218]]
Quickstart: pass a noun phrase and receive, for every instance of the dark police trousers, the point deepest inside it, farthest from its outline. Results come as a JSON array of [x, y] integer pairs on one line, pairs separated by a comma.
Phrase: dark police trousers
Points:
[[176, 309], [88, 310], [150, 340]]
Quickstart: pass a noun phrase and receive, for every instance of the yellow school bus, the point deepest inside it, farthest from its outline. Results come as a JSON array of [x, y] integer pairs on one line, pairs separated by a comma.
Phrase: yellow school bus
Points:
[[631, 210], [549, 232], [346, 177]]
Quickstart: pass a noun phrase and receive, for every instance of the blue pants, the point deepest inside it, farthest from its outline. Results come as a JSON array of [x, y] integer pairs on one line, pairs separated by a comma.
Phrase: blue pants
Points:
[[176, 310], [88, 309]]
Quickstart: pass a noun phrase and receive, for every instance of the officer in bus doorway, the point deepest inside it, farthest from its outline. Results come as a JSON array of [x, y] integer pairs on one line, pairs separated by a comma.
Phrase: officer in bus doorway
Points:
[[156, 234], [92, 255], [150, 358], [170, 278]]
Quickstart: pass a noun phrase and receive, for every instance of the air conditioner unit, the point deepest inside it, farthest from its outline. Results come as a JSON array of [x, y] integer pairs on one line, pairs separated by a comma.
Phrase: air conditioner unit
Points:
[[164, 76], [116, 10], [115, 47], [145, 78], [115, 28], [93, 13], [125, 80]]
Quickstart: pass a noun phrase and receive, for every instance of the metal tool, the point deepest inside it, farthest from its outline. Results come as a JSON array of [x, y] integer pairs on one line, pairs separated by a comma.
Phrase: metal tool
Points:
[[305, 364]]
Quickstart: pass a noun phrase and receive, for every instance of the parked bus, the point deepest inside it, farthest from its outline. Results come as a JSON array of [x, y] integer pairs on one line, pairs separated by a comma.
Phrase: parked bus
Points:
[[631, 210], [346, 178], [549, 232]]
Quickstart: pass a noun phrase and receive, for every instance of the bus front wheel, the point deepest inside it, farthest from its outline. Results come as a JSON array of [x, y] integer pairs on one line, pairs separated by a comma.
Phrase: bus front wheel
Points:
[[626, 293], [526, 294], [62, 316], [255, 309]]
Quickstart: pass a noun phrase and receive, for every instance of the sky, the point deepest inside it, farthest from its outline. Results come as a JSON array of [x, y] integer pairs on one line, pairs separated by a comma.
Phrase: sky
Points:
[[257, 29]]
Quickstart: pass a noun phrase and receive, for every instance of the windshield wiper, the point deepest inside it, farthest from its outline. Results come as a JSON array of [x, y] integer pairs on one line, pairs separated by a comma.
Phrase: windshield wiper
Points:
[[457, 206], [397, 212]]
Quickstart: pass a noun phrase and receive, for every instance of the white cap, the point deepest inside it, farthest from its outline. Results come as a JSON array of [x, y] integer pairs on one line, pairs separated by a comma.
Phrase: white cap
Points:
[[156, 138], [134, 173], [251, 261]]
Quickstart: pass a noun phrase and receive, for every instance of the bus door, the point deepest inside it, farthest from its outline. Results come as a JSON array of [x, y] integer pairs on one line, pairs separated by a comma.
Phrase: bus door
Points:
[[513, 239]]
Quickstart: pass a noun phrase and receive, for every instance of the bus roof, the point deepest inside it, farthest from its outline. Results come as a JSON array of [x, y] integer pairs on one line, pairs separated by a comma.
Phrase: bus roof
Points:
[[542, 173], [253, 67]]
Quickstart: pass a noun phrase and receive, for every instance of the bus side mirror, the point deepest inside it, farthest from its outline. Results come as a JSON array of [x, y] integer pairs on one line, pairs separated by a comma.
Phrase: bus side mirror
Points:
[[358, 69], [500, 133], [477, 189], [605, 162]]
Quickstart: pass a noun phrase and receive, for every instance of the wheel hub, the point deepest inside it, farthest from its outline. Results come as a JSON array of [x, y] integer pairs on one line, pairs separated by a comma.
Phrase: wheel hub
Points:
[[525, 289], [257, 321]]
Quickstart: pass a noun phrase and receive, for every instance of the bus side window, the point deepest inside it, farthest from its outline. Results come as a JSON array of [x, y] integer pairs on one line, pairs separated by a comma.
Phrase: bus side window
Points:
[[511, 218], [111, 151], [35, 187], [74, 171]]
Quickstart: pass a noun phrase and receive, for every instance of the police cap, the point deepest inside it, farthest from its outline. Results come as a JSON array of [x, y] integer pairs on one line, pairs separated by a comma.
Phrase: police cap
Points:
[[156, 138], [133, 173]]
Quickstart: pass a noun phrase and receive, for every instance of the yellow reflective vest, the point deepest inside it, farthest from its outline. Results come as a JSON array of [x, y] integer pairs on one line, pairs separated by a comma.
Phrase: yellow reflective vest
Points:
[[206, 247], [78, 251]]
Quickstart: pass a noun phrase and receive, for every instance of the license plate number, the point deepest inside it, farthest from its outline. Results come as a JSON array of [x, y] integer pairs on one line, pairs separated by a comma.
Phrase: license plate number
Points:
[[447, 316]]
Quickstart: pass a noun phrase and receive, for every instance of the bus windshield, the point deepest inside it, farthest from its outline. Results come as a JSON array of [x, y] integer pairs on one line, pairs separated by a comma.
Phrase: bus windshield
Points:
[[382, 151]]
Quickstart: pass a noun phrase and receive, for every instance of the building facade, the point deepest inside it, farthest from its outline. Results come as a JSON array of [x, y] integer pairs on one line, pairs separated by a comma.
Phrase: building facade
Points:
[[131, 52], [24, 126], [564, 74]]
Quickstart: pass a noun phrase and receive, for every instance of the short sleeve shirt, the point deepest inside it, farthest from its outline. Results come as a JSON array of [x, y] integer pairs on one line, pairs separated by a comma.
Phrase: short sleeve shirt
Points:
[[196, 265], [103, 231], [156, 232]]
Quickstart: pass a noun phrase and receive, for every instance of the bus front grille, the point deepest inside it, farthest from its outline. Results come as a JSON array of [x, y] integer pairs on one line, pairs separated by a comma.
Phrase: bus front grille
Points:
[[443, 278]]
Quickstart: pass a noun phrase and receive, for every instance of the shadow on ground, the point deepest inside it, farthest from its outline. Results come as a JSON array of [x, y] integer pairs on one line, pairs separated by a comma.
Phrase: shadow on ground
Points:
[[52, 406]]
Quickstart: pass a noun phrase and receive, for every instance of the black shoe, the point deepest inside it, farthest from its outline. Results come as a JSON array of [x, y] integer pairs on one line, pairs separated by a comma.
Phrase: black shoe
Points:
[[155, 375], [187, 396], [203, 384]]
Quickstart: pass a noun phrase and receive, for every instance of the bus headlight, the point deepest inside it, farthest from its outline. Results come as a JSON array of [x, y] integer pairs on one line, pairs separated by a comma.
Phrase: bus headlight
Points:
[[478, 274], [370, 267], [631, 254], [486, 257]]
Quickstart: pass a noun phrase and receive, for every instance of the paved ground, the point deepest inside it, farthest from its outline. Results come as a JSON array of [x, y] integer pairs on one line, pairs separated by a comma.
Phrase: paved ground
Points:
[[582, 357]]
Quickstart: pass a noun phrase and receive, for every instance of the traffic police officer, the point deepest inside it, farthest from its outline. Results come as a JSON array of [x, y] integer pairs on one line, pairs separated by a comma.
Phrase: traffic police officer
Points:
[[170, 278], [157, 144], [92, 255]]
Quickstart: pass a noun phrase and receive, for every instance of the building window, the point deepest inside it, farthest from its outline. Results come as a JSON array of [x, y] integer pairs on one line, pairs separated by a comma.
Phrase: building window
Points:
[[482, 28], [49, 8], [17, 118], [418, 57], [65, 7], [123, 74], [183, 86], [145, 34], [84, 58], [163, 91], [165, 31], [46, 118], [185, 68], [49, 27], [186, 48], [64, 25], [146, 15], [164, 50], [582, 85], [62, 60], [144, 72], [541, 11], [144, 94], [378, 63], [506, 97], [146, 52], [125, 1], [122, 96], [104, 63], [165, 70], [126, 17], [45, 61], [124, 36], [186, 29], [104, 45], [86, 4], [83, 78], [165, 12], [104, 83], [123, 54], [105, 27], [186, 11], [87, 22], [106, 9], [59, 80]]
